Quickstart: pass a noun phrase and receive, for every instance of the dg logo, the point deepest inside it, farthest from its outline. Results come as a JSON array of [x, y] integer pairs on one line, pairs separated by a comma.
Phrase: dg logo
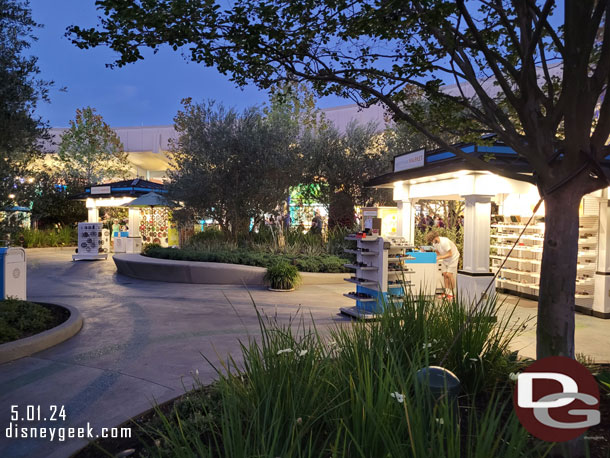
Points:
[[557, 399]]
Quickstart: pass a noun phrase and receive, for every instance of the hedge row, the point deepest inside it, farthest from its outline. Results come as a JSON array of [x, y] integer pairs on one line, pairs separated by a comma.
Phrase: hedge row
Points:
[[305, 263]]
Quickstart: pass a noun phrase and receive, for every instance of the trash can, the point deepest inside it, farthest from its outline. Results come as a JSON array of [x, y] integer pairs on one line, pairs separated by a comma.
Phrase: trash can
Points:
[[13, 273]]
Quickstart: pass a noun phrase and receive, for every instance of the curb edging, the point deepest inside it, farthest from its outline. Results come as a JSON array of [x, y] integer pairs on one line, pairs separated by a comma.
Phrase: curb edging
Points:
[[27, 346]]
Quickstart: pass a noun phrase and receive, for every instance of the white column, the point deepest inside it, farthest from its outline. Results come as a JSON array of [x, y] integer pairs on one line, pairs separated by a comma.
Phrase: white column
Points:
[[406, 220], [601, 296], [134, 222], [406, 211], [93, 215], [475, 276], [477, 221]]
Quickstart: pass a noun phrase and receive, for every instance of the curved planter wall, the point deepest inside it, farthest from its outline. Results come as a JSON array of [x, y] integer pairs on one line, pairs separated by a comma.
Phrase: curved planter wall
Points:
[[211, 273], [46, 339]]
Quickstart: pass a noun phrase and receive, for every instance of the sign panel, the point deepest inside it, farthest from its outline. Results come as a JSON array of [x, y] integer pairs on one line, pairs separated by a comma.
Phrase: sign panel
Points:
[[100, 189], [409, 161]]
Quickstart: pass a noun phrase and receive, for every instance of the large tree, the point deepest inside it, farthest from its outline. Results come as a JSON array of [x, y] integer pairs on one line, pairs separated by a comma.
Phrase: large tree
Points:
[[90, 151], [340, 163], [20, 91], [234, 167], [533, 78]]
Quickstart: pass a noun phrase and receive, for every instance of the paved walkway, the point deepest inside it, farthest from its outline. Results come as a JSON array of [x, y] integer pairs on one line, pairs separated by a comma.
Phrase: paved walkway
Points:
[[142, 340]]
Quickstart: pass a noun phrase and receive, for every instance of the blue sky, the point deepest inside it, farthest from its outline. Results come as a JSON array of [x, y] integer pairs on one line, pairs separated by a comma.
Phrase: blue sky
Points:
[[145, 93]]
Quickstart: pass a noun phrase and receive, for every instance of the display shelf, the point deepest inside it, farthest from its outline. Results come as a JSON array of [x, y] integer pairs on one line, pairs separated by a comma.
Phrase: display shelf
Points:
[[376, 281], [362, 282], [516, 236], [517, 248], [521, 272], [531, 261], [354, 266], [394, 272], [518, 226], [362, 253], [359, 313], [368, 238], [360, 299], [402, 258]]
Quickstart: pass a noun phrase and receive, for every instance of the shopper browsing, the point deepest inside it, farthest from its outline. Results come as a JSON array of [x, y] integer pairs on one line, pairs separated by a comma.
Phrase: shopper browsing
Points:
[[449, 256]]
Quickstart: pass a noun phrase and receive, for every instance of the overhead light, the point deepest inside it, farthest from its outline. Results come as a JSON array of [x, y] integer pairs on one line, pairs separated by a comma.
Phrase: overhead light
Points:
[[11, 196]]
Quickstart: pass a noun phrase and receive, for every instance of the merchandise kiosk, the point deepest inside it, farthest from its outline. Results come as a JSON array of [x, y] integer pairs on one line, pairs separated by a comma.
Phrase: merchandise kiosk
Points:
[[149, 216], [488, 238], [384, 271]]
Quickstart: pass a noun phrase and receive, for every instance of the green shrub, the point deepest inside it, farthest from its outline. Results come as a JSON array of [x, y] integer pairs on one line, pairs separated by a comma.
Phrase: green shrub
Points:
[[304, 263], [21, 319], [282, 275]]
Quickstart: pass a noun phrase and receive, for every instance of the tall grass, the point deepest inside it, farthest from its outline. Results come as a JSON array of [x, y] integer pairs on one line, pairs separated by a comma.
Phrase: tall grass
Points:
[[34, 238], [353, 392]]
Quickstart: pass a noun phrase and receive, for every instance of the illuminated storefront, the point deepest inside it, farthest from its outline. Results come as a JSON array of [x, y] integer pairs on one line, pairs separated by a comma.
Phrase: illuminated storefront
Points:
[[488, 238]]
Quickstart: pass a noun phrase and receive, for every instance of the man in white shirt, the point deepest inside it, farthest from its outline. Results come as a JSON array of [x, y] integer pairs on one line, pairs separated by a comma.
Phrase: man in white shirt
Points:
[[449, 256]]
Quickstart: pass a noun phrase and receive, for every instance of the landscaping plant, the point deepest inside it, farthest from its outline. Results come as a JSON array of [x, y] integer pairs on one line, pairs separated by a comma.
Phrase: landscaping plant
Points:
[[353, 391], [19, 319], [283, 276], [34, 238]]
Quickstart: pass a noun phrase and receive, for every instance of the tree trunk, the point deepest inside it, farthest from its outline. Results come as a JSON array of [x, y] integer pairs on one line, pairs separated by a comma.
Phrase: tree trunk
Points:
[[341, 210], [555, 329]]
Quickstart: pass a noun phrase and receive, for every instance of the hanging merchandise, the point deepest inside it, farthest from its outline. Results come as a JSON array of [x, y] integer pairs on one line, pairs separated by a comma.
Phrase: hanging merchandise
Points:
[[154, 225]]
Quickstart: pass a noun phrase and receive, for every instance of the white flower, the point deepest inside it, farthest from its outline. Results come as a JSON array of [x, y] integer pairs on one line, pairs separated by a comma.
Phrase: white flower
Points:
[[440, 421], [302, 352], [285, 350], [434, 340], [513, 376], [400, 398], [426, 345]]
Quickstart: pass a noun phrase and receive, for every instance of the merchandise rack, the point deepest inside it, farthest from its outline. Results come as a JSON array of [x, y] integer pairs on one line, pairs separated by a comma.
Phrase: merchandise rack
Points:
[[374, 258], [521, 273], [93, 242]]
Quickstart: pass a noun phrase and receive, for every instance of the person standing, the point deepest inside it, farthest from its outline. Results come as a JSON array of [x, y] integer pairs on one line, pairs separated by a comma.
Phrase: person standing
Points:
[[449, 256], [287, 220], [316, 223]]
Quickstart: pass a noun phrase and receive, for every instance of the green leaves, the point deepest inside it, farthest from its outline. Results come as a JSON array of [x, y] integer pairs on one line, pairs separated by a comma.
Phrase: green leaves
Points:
[[90, 151], [232, 166]]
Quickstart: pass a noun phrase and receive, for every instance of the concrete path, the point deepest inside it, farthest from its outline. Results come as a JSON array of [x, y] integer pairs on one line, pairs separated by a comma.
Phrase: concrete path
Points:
[[142, 340], [140, 343]]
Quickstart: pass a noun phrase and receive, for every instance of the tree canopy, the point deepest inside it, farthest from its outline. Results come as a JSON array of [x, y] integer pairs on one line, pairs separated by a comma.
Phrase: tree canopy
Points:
[[522, 69], [341, 163], [90, 151], [234, 167], [20, 92]]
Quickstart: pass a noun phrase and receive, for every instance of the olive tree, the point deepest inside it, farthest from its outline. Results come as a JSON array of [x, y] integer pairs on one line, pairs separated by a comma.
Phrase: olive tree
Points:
[[233, 167]]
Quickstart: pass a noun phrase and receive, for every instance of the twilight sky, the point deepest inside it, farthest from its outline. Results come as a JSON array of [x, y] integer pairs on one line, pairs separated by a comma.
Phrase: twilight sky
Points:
[[145, 93]]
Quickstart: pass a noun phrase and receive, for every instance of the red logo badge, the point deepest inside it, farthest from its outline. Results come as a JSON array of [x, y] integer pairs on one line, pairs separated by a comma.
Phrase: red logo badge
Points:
[[557, 399]]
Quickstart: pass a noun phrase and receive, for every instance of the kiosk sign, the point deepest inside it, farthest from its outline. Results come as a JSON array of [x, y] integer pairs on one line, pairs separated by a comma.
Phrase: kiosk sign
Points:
[[557, 399], [409, 161], [100, 190]]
